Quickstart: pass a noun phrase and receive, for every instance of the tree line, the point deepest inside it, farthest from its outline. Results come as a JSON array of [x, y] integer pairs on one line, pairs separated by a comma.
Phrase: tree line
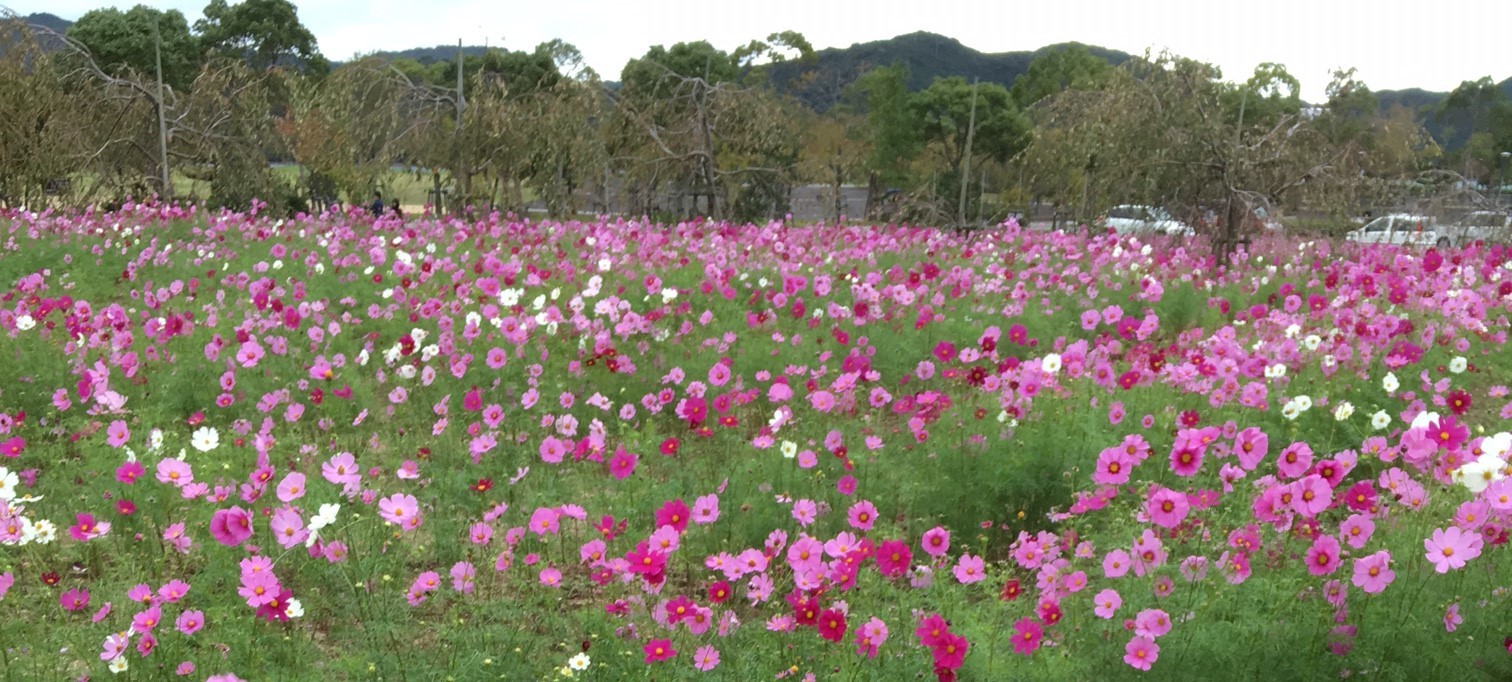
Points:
[[689, 129]]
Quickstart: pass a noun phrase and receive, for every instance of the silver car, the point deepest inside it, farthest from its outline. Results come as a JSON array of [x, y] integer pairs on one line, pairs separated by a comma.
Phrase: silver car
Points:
[[1400, 228], [1135, 219]]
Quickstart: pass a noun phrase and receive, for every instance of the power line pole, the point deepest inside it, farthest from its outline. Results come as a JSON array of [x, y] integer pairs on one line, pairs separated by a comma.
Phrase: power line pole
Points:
[[157, 48], [966, 163]]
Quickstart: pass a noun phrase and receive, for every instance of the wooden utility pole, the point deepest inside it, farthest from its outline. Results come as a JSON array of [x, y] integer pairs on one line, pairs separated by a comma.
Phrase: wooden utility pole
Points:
[[966, 162], [157, 48]]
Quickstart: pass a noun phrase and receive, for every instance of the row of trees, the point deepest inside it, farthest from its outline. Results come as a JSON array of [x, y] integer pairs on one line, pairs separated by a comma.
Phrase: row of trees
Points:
[[689, 129]]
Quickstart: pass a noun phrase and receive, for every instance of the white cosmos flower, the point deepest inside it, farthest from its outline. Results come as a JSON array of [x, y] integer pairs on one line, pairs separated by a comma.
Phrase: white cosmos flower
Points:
[[1498, 444], [1051, 363], [789, 449], [25, 322], [1478, 473], [205, 439], [579, 662], [1390, 383], [1343, 411], [1304, 403], [604, 264], [325, 517], [293, 609], [1423, 420], [1275, 371], [1312, 342], [1289, 410], [1380, 420], [1458, 364], [118, 665]]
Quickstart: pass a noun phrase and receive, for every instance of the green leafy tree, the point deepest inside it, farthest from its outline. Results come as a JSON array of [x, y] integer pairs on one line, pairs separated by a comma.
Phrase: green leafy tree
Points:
[[123, 41], [1056, 70], [266, 33], [883, 95]]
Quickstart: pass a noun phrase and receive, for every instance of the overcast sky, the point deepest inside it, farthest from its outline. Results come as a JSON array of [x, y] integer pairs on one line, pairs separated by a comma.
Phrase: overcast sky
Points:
[[1393, 44]]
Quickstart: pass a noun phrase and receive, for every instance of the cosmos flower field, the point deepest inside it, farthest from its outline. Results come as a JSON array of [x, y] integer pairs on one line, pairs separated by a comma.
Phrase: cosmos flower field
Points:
[[233, 447]]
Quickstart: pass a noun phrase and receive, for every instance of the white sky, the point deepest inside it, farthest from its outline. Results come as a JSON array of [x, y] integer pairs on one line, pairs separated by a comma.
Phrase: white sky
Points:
[[1393, 44]]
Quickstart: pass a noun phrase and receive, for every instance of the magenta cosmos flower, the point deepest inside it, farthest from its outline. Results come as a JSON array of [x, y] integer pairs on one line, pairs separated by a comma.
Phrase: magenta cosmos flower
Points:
[[1027, 633], [231, 527], [659, 650]]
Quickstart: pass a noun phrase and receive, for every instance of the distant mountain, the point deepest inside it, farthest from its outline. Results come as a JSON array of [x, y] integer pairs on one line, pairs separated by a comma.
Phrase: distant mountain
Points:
[[49, 21], [431, 55], [1451, 130], [927, 55]]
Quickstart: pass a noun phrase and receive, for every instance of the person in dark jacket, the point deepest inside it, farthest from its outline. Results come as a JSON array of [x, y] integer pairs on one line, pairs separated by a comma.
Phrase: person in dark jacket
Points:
[[377, 206], [398, 211]]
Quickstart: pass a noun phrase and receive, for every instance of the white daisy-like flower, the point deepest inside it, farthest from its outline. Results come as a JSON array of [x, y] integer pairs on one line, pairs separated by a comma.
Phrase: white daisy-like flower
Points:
[[1380, 420], [1497, 445], [604, 264], [789, 449], [1390, 383], [1275, 371], [1289, 410], [1304, 403], [1312, 342], [1051, 363], [579, 662], [204, 439], [1458, 364], [8, 483], [118, 665], [294, 608], [1343, 411], [325, 517], [25, 322], [1423, 420]]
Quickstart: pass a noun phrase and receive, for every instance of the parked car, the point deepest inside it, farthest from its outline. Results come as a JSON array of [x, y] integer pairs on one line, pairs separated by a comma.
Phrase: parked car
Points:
[[1400, 228], [1136, 219], [1488, 226]]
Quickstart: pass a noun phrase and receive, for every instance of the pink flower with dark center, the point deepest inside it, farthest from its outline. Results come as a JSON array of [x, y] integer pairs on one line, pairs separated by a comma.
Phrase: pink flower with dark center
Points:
[[232, 527], [1323, 556], [1167, 508]]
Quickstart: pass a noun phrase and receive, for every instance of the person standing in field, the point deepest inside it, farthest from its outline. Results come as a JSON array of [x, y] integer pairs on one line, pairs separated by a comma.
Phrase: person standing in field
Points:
[[398, 210], [377, 206]]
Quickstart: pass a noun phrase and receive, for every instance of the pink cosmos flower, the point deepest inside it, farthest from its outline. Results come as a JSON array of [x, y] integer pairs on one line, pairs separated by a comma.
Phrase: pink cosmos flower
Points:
[[190, 622], [1167, 508], [674, 513], [231, 527], [1449, 548], [870, 637], [1106, 603], [1373, 573], [936, 541], [1116, 563], [622, 464], [288, 528], [1141, 652], [706, 509], [862, 515], [804, 512], [117, 434], [707, 657], [400, 509], [87, 528], [969, 569], [658, 650], [1452, 617], [1152, 623], [1323, 556], [1027, 633], [75, 599]]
